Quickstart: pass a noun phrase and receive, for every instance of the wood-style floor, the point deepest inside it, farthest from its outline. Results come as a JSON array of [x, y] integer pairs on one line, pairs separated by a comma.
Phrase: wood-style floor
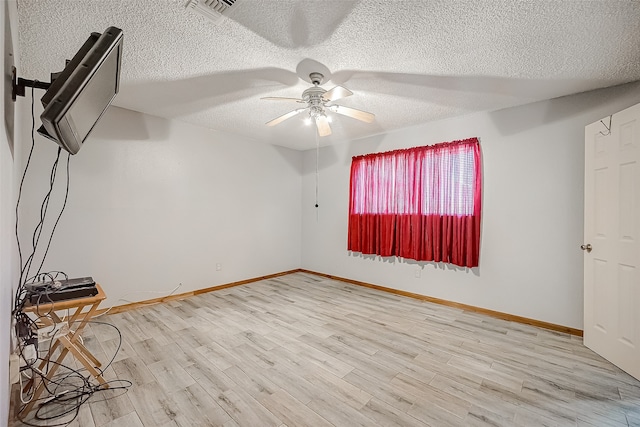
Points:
[[302, 350]]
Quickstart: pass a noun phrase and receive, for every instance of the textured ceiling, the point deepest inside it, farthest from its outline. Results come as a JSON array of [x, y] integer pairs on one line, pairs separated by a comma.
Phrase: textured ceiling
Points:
[[408, 62]]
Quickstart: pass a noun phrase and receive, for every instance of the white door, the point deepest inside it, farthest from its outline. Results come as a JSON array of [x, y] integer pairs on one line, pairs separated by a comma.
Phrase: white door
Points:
[[612, 229]]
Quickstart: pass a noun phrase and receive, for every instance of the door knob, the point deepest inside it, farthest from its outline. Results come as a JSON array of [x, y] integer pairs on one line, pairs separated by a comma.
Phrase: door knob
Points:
[[586, 247]]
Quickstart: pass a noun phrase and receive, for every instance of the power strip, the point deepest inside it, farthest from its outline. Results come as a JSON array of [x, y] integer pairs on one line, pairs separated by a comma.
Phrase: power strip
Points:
[[16, 363], [29, 355], [56, 330]]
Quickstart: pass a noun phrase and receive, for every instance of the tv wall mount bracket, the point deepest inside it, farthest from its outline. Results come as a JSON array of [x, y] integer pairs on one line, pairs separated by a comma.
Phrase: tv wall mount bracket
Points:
[[19, 84]]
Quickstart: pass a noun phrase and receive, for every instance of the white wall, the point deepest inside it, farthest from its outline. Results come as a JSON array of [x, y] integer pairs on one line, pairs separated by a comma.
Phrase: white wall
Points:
[[154, 203], [530, 261], [8, 263]]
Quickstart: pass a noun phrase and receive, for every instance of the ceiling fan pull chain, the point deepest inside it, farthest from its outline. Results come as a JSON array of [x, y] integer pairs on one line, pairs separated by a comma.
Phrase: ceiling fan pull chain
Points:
[[317, 173]]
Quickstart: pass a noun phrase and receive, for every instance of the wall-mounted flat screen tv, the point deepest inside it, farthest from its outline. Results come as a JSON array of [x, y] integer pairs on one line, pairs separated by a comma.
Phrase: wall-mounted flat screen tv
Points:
[[81, 93]]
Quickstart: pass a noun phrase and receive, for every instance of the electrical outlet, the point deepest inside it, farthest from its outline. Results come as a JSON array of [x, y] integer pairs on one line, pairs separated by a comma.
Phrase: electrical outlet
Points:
[[418, 272], [14, 368], [218, 267]]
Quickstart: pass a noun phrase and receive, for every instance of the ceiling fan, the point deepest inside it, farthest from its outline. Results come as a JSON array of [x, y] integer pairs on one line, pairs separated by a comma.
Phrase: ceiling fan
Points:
[[317, 100]]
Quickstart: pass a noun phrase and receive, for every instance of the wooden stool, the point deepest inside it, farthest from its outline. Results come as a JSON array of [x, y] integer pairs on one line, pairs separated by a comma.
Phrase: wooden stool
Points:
[[70, 341]]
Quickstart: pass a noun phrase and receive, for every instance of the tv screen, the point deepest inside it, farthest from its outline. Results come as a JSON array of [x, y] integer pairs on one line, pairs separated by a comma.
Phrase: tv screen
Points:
[[81, 93]]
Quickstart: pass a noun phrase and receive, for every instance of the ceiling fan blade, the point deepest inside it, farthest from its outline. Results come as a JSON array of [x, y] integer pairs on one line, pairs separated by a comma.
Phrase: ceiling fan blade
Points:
[[354, 113], [323, 126], [284, 117], [336, 93], [279, 98]]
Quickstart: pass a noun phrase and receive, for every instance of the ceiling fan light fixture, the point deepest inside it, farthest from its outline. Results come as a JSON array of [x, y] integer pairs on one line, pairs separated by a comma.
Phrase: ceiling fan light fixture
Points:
[[317, 100]]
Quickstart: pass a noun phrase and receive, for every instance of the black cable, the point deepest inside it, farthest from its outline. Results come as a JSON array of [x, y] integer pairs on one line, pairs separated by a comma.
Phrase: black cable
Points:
[[58, 382], [80, 394], [26, 265], [42, 276], [26, 326], [34, 327], [37, 232], [64, 204], [38, 372], [73, 373], [88, 393], [24, 174], [117, 348], [43, 290], [115, 353], [19, 303]]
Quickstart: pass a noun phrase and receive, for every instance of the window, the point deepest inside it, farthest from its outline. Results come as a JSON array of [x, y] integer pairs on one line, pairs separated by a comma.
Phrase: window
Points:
[[420, 203]]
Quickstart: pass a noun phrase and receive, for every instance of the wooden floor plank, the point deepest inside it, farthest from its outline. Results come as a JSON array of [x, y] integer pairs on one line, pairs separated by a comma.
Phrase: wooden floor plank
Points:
[[292, 411], [197, 407]]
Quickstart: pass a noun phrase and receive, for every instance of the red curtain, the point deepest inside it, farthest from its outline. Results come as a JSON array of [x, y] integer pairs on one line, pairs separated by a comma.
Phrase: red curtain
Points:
[[420, 203]]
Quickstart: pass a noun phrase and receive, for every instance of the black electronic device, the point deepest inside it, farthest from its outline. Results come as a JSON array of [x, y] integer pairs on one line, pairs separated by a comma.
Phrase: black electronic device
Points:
[[59, 294], [57, 290], [64, 284], [78, 96]]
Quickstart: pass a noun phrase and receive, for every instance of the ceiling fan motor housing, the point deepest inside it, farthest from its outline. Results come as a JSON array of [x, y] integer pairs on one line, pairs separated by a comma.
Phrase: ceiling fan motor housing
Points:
[[313, 95]]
